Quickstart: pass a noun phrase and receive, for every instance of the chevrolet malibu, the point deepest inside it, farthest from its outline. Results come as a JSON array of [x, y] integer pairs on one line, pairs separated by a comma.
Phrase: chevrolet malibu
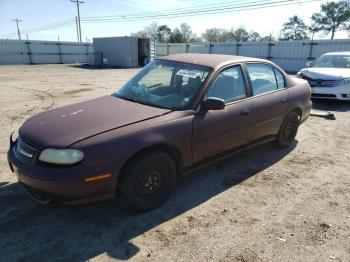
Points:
[[329, 76], [178, 113]]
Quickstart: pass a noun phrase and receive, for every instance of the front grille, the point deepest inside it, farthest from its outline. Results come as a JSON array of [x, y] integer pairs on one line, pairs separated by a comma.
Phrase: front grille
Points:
[[319, 82], [23, 151]]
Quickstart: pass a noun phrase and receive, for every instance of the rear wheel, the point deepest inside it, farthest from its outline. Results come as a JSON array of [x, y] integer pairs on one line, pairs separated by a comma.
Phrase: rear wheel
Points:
[[288, 130], [147, 181]]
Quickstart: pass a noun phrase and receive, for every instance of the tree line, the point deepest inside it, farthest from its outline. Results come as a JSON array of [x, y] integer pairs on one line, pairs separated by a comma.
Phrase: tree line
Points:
[[333, 17]]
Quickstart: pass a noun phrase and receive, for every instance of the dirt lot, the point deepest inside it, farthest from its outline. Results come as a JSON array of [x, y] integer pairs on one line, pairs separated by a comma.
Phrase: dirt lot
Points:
[[261, 205]]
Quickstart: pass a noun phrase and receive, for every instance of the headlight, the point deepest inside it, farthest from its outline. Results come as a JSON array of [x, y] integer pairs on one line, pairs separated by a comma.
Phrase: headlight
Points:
[[61, 156], [345, 81]]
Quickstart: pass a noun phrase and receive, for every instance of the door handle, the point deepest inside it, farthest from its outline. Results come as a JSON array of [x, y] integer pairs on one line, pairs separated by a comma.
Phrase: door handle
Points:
[[284, 100], [245, 112]]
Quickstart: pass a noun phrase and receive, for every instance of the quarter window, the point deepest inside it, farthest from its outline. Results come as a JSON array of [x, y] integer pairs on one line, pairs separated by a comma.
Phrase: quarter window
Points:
[[280, 79], [262, 78], [229, 85]]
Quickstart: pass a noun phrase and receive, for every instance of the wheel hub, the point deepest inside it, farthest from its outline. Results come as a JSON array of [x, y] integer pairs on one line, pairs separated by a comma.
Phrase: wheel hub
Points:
[[151, 181]]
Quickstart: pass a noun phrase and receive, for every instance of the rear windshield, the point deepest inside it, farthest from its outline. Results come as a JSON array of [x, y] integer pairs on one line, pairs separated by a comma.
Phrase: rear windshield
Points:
[[333, 61], [165, 84]]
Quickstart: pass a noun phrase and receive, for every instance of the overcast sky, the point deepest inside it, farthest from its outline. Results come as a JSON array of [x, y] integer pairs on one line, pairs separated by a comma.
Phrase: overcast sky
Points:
[[37, 13]]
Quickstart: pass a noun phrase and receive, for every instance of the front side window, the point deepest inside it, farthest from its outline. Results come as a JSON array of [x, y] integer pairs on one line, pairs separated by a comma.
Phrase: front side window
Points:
[[165, 84], [229, 85], [262, 78]]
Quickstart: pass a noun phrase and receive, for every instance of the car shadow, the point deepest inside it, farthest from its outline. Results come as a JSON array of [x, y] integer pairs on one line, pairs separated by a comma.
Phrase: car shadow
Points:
[[30, 231], [331, 105]]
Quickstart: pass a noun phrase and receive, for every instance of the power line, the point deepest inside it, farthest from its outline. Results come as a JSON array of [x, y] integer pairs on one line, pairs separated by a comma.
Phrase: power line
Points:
[[223, 7], [78, 2], [46, 27], [18, 32], [194, 11], [168, 10]]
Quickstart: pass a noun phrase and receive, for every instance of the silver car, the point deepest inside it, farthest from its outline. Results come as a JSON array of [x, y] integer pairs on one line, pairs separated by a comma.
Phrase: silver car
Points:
[[329, 76]]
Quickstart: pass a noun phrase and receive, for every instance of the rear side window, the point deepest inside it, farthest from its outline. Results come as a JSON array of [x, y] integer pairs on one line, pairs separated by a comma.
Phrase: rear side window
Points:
[[228, 85], [262, 77], [280, 79]]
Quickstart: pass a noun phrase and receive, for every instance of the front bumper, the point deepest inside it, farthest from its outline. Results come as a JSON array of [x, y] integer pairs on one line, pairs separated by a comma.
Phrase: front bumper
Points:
[[337, 92], [62, 184]]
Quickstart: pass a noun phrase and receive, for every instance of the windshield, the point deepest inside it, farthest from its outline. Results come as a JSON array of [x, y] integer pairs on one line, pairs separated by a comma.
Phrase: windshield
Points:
[[165, 84], [334, 61]]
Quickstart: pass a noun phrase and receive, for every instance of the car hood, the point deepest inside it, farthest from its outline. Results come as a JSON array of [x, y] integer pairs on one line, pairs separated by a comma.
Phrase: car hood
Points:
[[67, 125], [326, 73]]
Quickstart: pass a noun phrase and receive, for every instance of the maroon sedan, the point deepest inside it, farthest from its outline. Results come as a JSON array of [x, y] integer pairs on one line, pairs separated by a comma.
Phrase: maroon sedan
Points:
[[177, 113]]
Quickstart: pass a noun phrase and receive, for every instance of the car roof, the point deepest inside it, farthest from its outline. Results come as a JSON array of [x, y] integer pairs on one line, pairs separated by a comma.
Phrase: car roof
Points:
[[338, 53], [211, 60]]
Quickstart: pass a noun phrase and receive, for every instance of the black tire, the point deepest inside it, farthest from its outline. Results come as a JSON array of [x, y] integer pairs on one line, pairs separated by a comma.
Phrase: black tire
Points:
[[147, 181], [288, 130]]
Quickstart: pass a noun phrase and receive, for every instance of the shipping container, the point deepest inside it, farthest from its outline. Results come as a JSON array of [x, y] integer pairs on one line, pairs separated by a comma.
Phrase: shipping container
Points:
[[124, 51]]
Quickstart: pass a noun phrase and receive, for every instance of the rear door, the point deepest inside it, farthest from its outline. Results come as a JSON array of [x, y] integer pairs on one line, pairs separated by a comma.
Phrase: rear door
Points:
[[269, 98], [218, 131]]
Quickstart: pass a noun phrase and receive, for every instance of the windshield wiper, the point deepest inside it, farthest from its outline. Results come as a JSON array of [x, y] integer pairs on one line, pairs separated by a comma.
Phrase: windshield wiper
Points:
[[132, 99]]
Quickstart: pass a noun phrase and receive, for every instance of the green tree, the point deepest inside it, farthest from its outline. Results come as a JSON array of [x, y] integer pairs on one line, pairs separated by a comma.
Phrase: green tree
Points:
[[334, 16], [267, 38], [294, 29], [211, 34], [226, 35], [141, 33], [195, 39], [241, 35], [152, 30], [254, 36], [176, 36], [186, 31], [230, 35], [163, 33]]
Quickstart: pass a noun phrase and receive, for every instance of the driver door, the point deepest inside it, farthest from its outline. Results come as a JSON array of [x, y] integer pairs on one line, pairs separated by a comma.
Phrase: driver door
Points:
[[215, 132]]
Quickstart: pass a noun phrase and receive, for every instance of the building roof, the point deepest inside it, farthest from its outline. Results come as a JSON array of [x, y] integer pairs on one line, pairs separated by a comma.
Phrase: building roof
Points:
[[210, 60]]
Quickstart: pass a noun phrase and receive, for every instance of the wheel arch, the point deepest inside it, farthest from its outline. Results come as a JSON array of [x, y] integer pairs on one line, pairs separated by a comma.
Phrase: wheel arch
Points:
[[171, 150], [297, 110]]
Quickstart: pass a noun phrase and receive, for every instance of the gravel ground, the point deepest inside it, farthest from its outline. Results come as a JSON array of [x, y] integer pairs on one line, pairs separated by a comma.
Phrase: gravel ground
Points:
[[261, 205]]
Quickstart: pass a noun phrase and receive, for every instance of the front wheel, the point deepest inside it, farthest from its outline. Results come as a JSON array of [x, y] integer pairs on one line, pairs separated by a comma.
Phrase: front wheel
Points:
[[288, 130], [147, 181]]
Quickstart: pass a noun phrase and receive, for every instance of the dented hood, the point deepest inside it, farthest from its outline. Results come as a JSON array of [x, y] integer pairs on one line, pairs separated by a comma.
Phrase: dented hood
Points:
[[64, 126], [326, 73]]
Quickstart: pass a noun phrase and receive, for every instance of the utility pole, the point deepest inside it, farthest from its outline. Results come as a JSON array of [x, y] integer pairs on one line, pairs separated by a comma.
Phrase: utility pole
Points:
[[19, 33], [78, 2], [76, 24]]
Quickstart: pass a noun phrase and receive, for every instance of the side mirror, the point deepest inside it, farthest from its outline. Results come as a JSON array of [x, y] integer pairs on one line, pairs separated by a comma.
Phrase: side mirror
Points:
[[213, 103], [308, 64]]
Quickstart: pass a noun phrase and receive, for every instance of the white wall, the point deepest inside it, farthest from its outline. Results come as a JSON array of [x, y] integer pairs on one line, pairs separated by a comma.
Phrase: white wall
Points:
[[290, 55], [43, 52]]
